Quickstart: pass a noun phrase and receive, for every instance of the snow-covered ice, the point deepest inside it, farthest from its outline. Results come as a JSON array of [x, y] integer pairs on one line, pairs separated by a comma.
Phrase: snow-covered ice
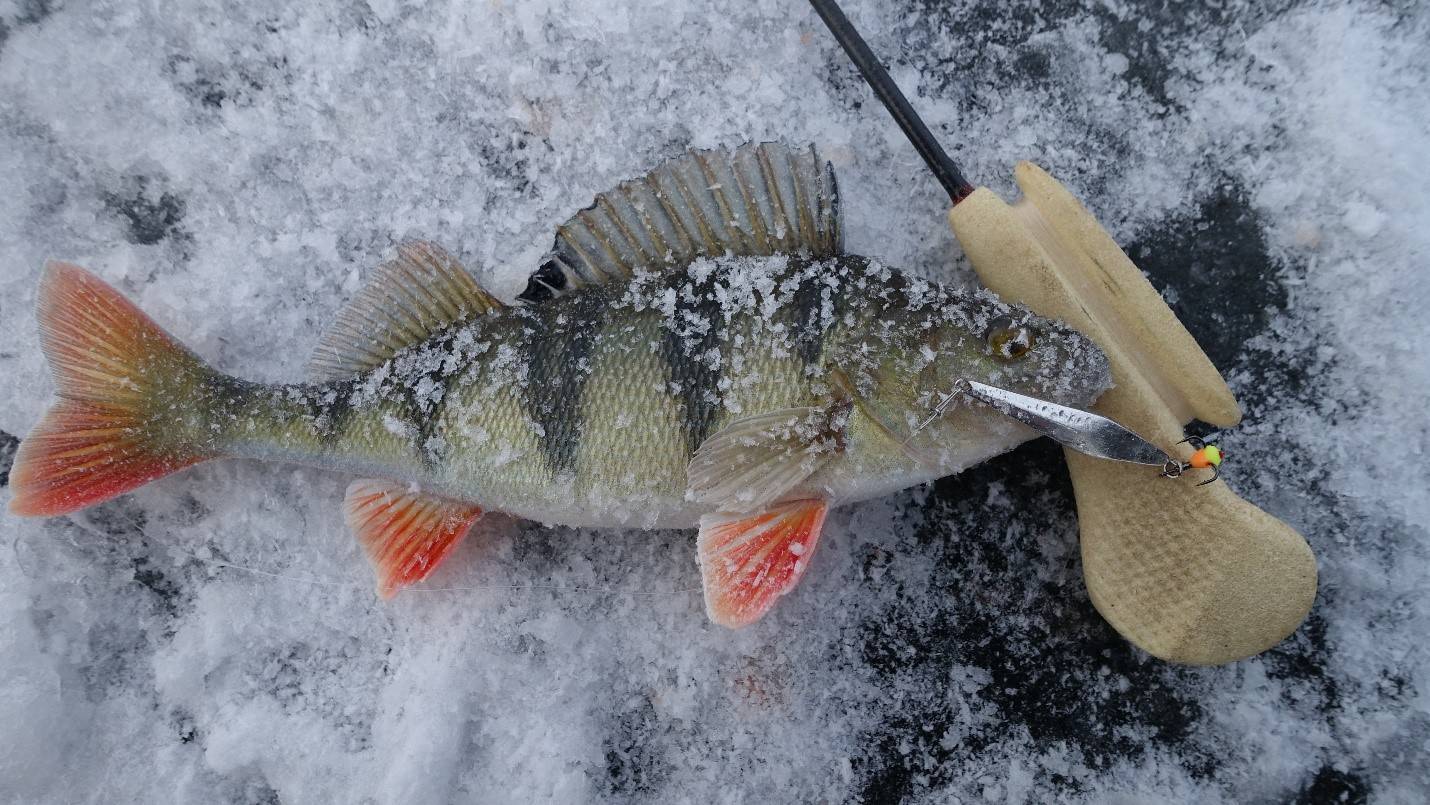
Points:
[[237, 167]]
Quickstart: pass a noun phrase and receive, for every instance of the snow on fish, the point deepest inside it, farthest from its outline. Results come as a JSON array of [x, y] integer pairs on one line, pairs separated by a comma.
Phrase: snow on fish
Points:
[[697, 350]]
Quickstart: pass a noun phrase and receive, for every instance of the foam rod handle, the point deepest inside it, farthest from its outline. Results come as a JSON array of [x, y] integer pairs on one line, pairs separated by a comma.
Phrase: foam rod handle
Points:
[[1190, 574]]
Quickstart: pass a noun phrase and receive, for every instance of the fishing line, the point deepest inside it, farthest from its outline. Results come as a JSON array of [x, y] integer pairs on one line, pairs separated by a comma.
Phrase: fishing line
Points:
[[947, 399], [170, 544], [944, 168]]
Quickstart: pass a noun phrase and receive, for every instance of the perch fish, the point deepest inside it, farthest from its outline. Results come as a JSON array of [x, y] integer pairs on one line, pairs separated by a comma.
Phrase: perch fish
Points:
[[697, 350]]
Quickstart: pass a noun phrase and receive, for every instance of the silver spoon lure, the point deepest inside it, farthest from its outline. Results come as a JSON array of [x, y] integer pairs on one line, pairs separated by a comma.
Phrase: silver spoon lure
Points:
[[1088, 433]]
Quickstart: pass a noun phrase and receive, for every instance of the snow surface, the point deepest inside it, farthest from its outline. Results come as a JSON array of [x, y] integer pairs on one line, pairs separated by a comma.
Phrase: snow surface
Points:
[[235, 167]]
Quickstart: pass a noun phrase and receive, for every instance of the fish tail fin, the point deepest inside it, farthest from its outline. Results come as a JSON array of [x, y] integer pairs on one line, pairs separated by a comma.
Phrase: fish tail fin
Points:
[[129, 394]]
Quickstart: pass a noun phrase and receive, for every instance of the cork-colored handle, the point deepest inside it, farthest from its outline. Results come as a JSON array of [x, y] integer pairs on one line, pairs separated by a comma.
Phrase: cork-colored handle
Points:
[[1190, 574]]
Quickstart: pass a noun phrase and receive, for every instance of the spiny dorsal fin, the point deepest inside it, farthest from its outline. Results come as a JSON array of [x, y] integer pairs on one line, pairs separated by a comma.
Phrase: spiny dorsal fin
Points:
[[755, 200], [420, 291]]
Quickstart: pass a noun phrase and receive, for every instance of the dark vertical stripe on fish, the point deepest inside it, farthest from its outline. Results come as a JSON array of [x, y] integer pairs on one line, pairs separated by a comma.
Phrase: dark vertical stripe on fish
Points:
[[809, 318], [421, 395], [806, 312], [423, 415], [330, 407], [228, 401], [692, 369], [558, 355]]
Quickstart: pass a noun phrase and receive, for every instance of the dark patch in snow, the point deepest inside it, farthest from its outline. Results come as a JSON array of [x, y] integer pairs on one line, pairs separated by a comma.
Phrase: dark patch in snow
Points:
[[185, 727], [120, 641], [155, 580], [506, 159], [634, 764], [122, 526], [206, 86], [1051, 668], [8, 445], [152, 213], [33, 12], [1151, 35], [297, 676], [238, 81], [1013, 45], [1196, 259], [253, 790], [1332, 785], [1303, 657], [30, 12]]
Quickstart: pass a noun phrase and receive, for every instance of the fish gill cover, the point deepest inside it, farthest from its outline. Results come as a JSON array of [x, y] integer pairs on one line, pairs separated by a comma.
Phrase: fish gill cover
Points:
[[238, 168]]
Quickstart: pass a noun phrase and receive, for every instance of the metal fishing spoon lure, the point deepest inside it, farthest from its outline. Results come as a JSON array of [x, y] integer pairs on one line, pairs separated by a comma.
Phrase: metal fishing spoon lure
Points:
[[1083, 431], [1088, 433]]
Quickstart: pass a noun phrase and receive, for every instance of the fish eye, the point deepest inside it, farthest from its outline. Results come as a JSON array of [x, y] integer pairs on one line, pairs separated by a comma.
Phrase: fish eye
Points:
[[1009, 341]]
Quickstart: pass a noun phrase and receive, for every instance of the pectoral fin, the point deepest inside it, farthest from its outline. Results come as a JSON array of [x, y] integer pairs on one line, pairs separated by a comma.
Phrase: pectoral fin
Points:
[[756, 460], [405, 533], [749, 561]]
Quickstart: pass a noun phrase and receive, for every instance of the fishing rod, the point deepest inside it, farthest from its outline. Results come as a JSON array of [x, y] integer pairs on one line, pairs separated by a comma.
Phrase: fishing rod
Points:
[[939, 162], [1189, 574]]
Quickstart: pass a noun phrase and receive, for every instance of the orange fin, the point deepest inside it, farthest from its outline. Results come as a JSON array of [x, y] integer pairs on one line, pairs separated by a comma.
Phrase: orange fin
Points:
[[405, 533], [118, 376], [749, 560]]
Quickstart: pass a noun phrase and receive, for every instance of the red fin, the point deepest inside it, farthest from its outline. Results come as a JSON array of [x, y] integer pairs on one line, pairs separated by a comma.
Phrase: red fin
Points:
[[405, 534], [748, 561], [111, 364]]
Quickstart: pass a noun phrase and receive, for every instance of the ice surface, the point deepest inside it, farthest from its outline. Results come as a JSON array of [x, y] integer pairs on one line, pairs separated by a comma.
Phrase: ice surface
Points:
[[237, 167]]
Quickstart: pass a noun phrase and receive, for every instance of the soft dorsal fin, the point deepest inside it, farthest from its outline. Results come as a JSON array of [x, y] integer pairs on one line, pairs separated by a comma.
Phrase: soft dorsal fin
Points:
[[755, 200], [420, 291]]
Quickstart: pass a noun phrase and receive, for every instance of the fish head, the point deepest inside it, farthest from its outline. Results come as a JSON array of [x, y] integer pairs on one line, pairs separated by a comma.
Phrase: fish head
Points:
[[910, 367], [910, 426], [1012, 348]]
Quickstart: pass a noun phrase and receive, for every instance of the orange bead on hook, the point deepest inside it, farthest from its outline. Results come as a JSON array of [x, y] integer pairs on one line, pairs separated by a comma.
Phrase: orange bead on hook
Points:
[[1207, 457]]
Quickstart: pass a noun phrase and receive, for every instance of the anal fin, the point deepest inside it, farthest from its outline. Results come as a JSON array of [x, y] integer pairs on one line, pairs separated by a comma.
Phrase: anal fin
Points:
[[747, 561], [405, 533]]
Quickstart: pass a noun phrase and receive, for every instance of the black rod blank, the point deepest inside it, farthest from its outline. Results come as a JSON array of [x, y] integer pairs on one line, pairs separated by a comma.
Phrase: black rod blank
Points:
[[943, 166]]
